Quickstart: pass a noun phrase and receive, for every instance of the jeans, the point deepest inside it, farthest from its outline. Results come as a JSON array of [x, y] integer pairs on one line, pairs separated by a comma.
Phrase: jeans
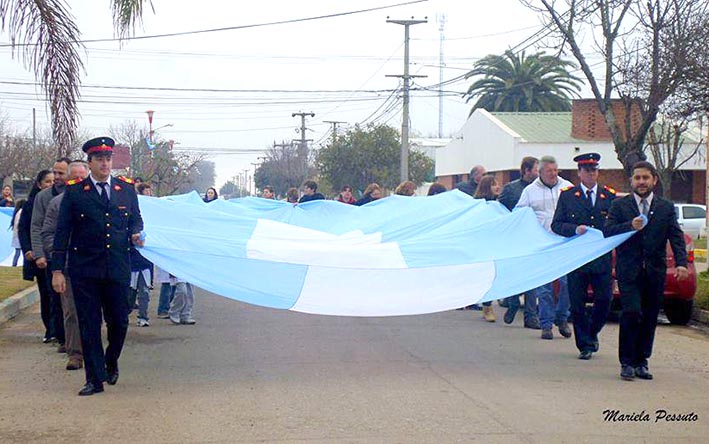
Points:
[[143, 293], [167, 293], [530, 305], [16, 258], [549, 312], [182, 303]]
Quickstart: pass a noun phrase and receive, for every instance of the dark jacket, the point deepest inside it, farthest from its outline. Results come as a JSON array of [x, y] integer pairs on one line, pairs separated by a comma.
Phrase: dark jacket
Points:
[[511, 192], [574, 209], [468, 187], [314, 196], [23, 234], [364, 200], [97, 236], [645, 249]]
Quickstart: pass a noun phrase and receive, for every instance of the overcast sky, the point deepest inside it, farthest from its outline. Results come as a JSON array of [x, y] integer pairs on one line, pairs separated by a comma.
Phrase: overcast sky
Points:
[[264, 74]]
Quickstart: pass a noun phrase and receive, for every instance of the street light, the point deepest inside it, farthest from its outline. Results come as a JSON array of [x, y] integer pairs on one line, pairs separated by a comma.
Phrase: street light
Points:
[[152, 131], [150, 113]]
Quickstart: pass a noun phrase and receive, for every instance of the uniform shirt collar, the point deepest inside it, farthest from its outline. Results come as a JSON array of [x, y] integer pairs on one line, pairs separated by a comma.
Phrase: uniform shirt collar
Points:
[[95, 182], [594, 189]]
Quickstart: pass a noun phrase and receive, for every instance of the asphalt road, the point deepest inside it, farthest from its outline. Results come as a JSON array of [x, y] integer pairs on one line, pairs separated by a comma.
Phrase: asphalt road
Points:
[[249, 374]]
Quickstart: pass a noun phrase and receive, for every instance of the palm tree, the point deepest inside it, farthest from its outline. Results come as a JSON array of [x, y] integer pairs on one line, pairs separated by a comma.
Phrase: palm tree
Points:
[[43, 32], [513, 82]]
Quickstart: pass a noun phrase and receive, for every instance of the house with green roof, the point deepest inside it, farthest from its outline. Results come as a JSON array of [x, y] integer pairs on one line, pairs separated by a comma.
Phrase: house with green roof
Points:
[[498, 141]]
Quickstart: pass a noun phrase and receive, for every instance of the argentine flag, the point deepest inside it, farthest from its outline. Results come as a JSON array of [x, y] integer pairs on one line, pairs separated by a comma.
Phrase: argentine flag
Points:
[[395, 256]]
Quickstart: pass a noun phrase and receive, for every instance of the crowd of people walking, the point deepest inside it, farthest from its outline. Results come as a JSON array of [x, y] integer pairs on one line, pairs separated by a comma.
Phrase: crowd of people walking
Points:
[[79, 228]]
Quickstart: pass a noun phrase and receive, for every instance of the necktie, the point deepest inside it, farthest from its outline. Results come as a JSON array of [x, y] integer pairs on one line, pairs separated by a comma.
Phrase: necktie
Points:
[[104, 193], [644, 207], [589, 194]]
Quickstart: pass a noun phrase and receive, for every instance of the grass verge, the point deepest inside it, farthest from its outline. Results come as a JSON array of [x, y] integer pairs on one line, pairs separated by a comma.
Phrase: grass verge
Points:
[[701, 299], [11, 282]]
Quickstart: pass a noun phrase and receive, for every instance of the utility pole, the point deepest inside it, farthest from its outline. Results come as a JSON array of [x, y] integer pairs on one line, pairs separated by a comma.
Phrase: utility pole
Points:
[[706, 174], [303, 147], [34, 130], [405, 119], [441, 64], [246, 178], [254, 176], [334, 129]]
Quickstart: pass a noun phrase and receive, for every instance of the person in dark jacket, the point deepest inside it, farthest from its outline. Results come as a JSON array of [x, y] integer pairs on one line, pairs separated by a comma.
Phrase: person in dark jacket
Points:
[[45, 179], [582, 207], [99, 220], [469, 187], [210, 195], [529, 171], [310, 192], [371, 193], [641, 265]]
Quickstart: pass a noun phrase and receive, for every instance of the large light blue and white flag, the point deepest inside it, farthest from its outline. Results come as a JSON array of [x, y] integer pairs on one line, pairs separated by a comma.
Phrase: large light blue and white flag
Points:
[[396, 256]]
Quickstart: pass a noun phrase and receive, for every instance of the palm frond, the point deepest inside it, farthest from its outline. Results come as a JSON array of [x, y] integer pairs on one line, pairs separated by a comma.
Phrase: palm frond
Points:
[[127, 13], [49, 38]]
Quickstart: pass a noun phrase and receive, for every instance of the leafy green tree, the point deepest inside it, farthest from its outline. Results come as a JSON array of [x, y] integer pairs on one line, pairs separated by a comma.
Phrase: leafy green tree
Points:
[[231, 190], [517, 83], [283, 168], [370, 154], [49, 43]]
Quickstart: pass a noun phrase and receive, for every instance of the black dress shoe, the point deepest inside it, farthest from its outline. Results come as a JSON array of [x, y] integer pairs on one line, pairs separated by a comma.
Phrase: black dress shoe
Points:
[[627, 372], [532, 323], [510, 315], [594, 345], [90, 388], [585, 355], [643, 373], [112, 377]]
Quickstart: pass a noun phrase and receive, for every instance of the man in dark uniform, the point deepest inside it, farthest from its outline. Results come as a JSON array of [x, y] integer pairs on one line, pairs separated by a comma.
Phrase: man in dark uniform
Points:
[[581, 207], [98, 220], [641, 267]]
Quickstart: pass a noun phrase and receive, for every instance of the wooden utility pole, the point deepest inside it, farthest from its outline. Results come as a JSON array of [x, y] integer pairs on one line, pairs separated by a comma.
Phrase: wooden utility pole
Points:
[[303, 146], [405, 119], [334, 129]]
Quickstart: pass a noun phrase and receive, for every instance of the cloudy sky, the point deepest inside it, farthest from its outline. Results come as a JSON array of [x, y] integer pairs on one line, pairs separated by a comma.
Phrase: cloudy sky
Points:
[[232, 93]]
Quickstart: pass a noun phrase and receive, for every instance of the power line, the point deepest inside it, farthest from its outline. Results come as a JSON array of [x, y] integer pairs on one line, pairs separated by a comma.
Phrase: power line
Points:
[[232, 28]]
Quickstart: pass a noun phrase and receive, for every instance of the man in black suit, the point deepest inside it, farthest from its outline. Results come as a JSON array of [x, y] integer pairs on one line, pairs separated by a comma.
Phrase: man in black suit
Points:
[[641, 267], [98, 220], [581, 207]]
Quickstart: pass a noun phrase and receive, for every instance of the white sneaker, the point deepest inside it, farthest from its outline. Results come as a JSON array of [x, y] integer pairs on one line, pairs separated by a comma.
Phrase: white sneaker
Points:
[[143, 322]]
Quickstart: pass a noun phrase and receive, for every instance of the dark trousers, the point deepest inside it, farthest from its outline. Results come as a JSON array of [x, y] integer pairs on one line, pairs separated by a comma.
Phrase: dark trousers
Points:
[[92, 296], [45, 302], [56, 313], [586, 328], [640, 300]]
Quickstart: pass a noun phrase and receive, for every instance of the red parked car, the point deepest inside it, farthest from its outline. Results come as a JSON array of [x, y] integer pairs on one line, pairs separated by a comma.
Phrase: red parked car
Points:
[[679, 295]]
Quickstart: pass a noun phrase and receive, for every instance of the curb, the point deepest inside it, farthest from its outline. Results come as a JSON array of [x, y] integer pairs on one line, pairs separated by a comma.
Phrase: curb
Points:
[[700, 315], [11, 307]]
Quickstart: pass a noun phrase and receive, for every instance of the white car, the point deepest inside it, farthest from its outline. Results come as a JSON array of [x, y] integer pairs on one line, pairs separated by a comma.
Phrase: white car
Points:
[[692, 219]]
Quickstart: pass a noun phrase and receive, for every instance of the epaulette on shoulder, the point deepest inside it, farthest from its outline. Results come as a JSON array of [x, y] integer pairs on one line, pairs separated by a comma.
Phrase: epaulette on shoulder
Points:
[[126, 179], [567, 188], [74, 181], [609, 189]]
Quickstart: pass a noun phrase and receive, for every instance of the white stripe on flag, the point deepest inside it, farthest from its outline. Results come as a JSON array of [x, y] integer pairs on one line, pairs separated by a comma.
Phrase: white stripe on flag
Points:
[[280, 242], [392, 292]]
